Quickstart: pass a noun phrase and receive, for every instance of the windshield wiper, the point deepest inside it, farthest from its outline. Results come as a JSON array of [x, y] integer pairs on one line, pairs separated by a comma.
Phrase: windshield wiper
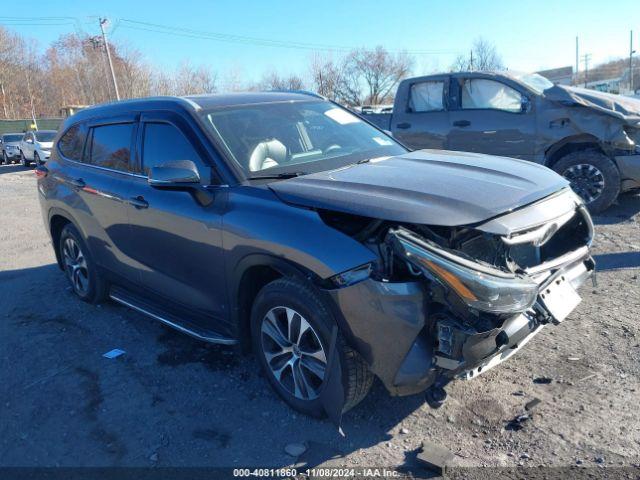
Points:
[[278, 175]]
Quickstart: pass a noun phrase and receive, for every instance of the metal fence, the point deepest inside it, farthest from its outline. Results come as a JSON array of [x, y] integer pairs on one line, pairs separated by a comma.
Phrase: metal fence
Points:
[[19, 126]]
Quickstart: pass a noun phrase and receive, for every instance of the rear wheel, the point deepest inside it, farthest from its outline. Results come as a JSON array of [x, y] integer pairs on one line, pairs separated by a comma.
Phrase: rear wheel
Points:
[[79, 267], [291, 332], [593, 176]]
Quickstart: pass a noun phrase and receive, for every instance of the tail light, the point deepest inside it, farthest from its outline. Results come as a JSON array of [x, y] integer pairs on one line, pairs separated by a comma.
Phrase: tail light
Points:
[[41, 171]]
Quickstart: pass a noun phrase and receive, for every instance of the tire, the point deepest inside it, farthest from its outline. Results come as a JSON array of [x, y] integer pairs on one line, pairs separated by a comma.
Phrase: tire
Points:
[[84, 277], [23, 160], [5, 159], [274, 299], [585, 170], [36, 159]]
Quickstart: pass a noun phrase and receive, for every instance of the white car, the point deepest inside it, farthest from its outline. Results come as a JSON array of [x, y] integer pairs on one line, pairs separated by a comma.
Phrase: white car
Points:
[[36, 147]]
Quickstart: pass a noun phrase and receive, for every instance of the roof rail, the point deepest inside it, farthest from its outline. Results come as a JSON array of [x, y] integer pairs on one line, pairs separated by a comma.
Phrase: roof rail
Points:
[[303, 92]]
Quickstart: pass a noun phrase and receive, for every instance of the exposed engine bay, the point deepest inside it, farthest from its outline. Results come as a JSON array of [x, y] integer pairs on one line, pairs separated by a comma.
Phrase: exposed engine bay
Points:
[[488, 288]]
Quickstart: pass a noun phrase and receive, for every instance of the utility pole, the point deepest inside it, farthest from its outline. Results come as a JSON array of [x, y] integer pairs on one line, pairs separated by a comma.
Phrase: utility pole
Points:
[[575, 82], [585, 58], [103, 21], [631, 52], [471, 60]]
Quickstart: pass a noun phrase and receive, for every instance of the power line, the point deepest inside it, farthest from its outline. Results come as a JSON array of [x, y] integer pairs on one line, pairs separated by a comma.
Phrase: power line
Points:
[[240, 39]]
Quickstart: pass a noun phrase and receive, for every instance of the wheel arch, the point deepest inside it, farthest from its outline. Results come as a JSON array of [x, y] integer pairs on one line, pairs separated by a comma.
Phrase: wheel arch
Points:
[[57, 221], [571, 144], [250, 275]]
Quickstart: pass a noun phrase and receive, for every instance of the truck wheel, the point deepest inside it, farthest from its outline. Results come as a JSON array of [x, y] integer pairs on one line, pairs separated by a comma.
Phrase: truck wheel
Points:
[[291, 331], [5, 160], [36, 159], [79, 268], [593, 176]]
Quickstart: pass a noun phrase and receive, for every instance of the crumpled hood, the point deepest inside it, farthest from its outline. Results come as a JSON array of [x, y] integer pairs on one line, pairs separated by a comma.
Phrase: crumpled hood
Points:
[[625, 108], [432, 187]]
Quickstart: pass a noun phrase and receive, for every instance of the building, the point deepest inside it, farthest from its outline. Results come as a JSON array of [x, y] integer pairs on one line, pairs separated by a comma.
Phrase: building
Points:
[[561, 76]]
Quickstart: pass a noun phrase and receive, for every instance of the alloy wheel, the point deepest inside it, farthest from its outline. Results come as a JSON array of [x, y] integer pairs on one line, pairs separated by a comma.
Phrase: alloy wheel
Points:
[[586, 180], [293, 352], [76, 266]]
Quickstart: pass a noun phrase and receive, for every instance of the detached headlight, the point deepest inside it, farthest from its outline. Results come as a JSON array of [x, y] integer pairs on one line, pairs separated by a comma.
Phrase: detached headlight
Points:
[[351, 277], [482, 288]]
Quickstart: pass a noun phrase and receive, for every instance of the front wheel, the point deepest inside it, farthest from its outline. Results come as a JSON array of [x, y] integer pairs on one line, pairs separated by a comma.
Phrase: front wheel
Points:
[[291, 331], [36, 159], [593, 176]]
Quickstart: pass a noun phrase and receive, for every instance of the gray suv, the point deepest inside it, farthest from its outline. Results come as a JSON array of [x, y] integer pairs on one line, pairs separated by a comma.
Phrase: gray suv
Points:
[[591, 138], [283, 222]]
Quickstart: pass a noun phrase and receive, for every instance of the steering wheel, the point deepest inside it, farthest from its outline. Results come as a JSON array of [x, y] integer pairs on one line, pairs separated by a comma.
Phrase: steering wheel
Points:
[[332, 147]]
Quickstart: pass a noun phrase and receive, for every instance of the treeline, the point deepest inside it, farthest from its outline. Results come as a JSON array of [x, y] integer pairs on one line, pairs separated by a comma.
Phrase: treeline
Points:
[[73, 71]]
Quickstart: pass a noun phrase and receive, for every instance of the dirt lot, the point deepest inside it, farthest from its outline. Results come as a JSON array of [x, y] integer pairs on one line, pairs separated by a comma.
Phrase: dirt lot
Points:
[[172, 401]]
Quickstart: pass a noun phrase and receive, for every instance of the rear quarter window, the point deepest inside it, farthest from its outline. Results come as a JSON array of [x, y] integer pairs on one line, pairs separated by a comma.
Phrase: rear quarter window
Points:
[[71, 143]]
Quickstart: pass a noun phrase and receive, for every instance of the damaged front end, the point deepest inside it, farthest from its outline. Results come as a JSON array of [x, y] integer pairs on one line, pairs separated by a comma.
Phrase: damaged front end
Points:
[[452, 302]]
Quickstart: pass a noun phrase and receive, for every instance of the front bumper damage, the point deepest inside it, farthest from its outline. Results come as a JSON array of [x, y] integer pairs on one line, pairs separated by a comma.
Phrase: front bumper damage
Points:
[[420, 333]]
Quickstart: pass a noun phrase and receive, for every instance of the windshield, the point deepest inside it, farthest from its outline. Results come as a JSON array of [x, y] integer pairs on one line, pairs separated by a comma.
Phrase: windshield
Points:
[[11, 138], [296, 137], [45, 136], [534, 81]]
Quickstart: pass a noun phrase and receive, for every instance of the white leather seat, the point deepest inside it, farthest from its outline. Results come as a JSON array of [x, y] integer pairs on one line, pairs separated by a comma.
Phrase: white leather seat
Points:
[[267, 154]]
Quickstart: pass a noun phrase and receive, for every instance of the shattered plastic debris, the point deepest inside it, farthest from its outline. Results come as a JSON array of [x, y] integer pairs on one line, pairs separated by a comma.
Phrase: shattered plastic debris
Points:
[[517, 422], [542, 380], [435, 457], [116, 352], [295, 449], [532, 403]]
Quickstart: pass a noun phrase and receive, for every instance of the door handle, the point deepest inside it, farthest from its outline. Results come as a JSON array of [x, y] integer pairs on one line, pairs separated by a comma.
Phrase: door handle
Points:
[[403, 125], [138, 202], [461, 123], [77, 182]]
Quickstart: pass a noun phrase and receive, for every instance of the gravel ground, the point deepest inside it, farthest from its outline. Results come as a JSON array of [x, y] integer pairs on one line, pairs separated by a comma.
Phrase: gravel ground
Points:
[[173, 401]]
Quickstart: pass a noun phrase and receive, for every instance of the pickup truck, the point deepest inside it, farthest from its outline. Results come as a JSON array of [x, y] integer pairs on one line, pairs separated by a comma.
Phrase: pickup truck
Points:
[[591, 138]]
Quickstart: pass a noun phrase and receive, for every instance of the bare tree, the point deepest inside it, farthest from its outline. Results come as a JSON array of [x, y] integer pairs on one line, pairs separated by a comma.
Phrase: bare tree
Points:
[[326, 75], [273, 81], [380, 71], [362, 76], [483, 56]]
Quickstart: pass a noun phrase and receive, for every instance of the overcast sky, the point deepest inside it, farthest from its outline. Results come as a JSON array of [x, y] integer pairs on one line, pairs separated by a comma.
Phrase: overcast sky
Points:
[[530, 35]]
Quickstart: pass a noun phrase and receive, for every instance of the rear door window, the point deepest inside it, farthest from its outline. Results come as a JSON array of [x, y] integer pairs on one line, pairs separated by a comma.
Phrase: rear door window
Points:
[[163, 143], [427, 96], [480, 93], [72, 143], [111, 146]]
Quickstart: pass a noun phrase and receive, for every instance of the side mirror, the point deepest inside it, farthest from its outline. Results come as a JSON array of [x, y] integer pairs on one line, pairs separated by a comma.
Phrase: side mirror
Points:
[[525, 104], [177, 174]]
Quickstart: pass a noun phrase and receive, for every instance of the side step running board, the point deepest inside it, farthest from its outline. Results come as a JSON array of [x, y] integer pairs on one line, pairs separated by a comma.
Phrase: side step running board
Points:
[[122, 298]]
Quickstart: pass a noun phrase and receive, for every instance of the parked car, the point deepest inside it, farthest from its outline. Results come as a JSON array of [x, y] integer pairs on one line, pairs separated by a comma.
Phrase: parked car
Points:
[[11, 147], [36, 146], [283, 221], [589, 137]]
